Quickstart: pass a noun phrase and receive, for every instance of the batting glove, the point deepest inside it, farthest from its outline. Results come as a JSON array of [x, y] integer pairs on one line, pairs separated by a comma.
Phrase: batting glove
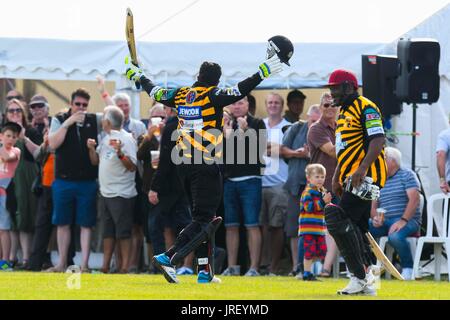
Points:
[[366, 190], [270, 67], [133, 72]]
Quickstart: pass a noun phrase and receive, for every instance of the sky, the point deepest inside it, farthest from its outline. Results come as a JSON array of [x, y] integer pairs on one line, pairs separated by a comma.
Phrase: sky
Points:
[[376, 21]]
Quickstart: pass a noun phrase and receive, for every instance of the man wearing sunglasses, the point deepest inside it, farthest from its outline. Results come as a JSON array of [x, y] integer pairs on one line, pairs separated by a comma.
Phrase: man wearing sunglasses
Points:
[[39, 110], [14, 94], [321, 143], [74, 188]]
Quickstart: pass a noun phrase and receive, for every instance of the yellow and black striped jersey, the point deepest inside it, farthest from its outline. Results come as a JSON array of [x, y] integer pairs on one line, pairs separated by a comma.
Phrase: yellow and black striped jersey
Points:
[[199, 123], [357, 124], [200, 114]]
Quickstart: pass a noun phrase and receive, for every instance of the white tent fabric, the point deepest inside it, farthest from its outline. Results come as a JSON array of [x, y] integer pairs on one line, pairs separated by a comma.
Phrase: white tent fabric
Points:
[[173, 64], [431, 119]]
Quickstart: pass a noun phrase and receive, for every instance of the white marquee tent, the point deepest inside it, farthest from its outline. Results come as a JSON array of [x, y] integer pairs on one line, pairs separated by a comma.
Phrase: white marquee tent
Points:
[[172, 64]]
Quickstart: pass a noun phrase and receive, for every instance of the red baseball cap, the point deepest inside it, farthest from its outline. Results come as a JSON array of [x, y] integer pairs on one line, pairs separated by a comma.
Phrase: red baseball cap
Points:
[[339, 76]]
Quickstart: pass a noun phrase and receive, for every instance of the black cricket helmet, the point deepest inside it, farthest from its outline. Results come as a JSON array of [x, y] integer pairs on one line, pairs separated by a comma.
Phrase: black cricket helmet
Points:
[[282, 47]]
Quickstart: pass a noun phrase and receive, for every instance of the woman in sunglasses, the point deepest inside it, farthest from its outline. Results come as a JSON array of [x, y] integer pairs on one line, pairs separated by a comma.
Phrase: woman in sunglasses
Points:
[[23, 209]]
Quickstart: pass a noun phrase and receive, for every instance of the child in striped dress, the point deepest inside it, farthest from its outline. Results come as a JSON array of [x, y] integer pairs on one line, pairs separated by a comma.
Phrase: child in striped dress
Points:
[[312, 219]]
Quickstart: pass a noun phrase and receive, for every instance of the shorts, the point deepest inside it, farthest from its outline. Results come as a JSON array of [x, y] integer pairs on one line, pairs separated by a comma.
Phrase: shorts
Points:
[[117, 217], [74, 197], [5, 218], [273, 206], [293, 210], [242, 199], [315, 246]]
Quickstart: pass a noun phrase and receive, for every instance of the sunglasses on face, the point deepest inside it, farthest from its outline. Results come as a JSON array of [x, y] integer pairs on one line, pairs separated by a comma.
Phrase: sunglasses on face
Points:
[[14, 97], [18, 110], [37, 105], [81, 104], [327, 105]]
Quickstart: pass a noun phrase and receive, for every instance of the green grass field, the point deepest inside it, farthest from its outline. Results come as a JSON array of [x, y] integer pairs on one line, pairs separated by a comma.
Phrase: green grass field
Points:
[[36, 286]]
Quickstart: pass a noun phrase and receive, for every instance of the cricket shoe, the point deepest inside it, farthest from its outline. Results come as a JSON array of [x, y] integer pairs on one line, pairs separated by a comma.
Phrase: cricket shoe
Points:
[[185, 271], [357, 286], [206, 277], [162, 262]]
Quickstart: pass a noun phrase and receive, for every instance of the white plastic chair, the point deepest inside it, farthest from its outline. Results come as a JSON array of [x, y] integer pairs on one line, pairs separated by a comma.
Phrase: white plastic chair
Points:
[[439, 215], [385, 246]]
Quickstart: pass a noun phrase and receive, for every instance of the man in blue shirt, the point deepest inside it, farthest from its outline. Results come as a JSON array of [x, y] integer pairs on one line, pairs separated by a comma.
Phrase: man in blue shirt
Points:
[[400, 198]]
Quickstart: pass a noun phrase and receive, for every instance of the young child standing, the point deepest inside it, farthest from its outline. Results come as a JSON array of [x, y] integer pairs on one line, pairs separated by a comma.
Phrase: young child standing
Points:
[[312, 219], [9, 159]]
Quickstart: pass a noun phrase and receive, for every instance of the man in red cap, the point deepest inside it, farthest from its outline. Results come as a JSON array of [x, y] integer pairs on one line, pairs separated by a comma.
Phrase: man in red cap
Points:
[[360, 173]]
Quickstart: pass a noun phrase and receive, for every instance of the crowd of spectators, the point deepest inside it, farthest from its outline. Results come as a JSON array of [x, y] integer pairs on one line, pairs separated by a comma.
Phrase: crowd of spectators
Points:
[[78, 170]]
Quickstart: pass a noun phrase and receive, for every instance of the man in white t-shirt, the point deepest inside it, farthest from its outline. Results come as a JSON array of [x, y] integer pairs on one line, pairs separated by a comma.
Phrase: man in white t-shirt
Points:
[[116, 156], [274, 197], [443, 159]]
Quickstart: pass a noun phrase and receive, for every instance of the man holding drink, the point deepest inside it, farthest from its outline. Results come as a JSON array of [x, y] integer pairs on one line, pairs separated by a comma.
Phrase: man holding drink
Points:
[[116, 157]]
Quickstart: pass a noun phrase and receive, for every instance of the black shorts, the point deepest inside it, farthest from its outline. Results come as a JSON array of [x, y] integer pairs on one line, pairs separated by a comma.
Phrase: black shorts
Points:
[[203, 185], [357, 209]]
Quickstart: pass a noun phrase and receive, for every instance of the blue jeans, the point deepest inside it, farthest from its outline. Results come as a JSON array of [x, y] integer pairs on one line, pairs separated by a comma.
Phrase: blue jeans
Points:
[[397, 239], [155, 229], [242, 198]]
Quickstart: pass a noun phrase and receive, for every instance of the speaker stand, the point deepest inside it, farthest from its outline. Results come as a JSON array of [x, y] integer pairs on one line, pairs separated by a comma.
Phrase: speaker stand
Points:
[[413, 155]]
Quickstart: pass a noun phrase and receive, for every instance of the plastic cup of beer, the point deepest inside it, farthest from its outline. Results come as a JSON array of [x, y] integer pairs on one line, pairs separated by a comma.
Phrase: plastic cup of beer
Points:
[[155, 158], [113, 140], [81, 122], [380, 213], [155, 122]]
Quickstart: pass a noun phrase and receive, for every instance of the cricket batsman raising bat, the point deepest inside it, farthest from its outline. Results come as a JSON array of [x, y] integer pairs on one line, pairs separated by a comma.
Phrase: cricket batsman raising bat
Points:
[[200, 108]]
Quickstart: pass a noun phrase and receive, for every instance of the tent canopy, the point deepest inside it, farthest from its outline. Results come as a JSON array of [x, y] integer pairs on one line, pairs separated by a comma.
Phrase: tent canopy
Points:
[[174, 64]]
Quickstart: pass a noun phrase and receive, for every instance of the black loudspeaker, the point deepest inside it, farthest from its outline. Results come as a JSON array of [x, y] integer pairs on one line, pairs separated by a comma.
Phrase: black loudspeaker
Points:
[[419, 77], [379, 76]]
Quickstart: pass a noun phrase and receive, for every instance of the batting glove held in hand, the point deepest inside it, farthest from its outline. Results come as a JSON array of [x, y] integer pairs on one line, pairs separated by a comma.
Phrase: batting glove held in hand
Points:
[[270, 67], [366, 190], [133, 72]]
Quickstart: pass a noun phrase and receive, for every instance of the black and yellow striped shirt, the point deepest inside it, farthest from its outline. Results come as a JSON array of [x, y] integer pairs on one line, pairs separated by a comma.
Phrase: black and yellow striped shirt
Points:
[[199, 123], [200, 114], [358, 123]]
